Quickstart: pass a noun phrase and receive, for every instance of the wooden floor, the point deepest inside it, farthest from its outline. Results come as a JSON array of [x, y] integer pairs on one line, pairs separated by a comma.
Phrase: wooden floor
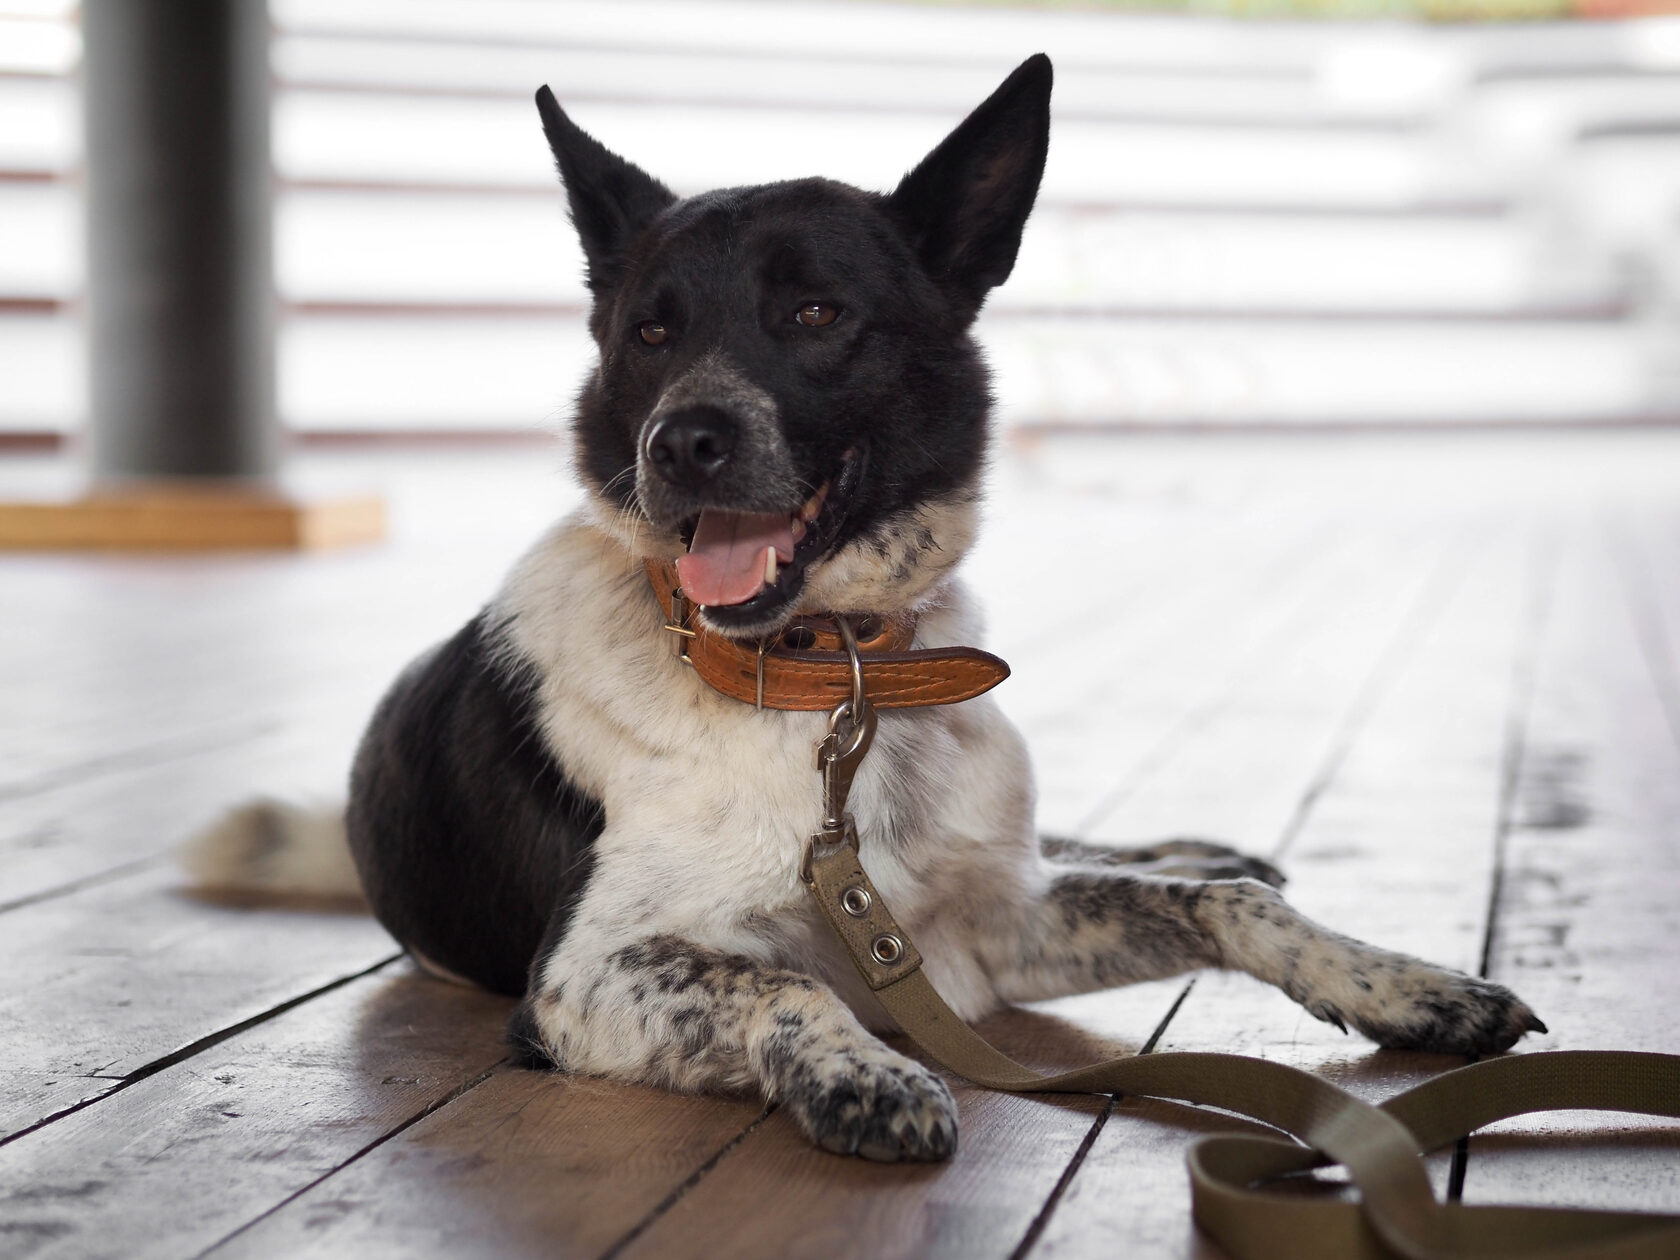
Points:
[[1439, 679]]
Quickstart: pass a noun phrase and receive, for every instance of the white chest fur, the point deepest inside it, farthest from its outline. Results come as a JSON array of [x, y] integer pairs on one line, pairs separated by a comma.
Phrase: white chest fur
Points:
[[709, 801]]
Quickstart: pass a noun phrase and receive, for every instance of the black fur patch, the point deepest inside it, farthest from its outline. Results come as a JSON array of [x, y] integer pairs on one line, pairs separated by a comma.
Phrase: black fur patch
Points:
[[525, 1039], [472, 844]]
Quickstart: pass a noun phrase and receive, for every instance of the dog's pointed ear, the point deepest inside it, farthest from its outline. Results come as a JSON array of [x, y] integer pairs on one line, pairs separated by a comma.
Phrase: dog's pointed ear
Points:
[[610, 198], [965, 205]]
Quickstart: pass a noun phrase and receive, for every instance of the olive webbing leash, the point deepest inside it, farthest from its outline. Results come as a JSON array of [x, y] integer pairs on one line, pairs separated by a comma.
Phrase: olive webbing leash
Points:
[[1397, 1214]]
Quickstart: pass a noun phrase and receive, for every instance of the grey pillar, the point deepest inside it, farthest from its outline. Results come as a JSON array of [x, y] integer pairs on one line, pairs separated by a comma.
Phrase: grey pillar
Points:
[[180, 289]]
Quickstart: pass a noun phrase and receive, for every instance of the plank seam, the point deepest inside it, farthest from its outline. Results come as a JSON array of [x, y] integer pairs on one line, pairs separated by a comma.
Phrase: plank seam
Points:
[[687, 1184], [436, 1105], [183, 747], [1436, 593], [1524, 670], [1191, 723], [1054, 1199], [108, 876], [1430, 604], [203, 1043], [1092, 621]]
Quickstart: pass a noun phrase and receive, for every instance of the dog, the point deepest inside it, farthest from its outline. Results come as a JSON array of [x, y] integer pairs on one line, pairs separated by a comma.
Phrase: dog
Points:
[[553, 804]]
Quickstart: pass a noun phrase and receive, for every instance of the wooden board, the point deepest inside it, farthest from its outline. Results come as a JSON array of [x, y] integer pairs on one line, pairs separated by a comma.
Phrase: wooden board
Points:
[[1587, 923], [103, 983], [181, 1159], [1270, 722], [1398, 807], [103, 822], [1099, 695], [1290, 644], [174, 516], [527, 1164]]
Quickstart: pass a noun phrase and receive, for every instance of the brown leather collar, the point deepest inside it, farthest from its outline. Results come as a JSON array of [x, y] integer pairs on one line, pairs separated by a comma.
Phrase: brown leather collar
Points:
[[805, 667]]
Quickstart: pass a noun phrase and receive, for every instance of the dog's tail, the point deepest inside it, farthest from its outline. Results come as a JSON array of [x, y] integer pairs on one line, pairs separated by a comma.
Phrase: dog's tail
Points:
[[272, 849]]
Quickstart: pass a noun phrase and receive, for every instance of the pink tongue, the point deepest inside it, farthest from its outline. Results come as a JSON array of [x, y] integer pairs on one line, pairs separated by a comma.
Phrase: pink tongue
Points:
[[725, 563]]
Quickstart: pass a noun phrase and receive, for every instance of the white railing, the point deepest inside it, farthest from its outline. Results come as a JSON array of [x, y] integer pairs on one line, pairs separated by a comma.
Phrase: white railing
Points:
[[1241, 223]]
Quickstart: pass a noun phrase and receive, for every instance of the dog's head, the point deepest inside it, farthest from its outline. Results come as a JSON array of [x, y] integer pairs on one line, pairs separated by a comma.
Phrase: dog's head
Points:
[[788, 396]]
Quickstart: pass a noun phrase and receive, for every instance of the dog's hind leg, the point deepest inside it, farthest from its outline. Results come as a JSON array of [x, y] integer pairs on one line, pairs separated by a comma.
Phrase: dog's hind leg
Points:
[[662, 1010], [1093, 929], [1192, 859]]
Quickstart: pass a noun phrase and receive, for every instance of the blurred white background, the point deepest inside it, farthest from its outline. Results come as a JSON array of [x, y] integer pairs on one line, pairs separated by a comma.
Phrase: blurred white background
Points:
[[1250, 224]]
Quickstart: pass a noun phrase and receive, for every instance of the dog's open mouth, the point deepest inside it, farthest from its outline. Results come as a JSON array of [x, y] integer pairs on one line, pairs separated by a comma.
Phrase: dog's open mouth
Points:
[[747, 568]]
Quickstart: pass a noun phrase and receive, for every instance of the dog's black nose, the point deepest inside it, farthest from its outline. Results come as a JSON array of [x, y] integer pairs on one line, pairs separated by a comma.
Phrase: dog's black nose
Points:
[[689, 447]]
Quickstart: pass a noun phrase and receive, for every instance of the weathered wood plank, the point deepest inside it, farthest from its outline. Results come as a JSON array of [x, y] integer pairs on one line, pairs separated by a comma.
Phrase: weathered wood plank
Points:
[[537, 1163], [1646, 544], [1407, 806], [179, 1160], [1237, 766], [527, 1164], [103, 982], [1094, 697], [778, 1195], [92, 688], [1587, 927], [85, 827]]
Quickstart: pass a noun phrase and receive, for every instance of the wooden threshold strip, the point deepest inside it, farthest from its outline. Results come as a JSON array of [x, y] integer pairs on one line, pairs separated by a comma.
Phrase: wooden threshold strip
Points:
[[175, 516]]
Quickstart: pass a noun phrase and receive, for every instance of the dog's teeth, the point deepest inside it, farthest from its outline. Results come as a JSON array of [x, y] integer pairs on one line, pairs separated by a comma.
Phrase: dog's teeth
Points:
[[813, 505], [769, 566]]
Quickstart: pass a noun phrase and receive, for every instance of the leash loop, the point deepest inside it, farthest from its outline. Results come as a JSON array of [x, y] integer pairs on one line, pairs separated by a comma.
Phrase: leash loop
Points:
[[1397, 1216]]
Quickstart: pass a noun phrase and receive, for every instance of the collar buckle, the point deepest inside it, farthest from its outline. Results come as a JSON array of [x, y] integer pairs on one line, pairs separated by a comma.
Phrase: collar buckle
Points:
[[678, 625]]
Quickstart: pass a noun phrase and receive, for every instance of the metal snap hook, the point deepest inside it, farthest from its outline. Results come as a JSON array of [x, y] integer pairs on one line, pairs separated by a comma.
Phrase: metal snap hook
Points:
[[849, 638]]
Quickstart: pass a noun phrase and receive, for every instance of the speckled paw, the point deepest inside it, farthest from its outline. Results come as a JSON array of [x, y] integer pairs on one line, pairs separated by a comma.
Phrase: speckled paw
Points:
[[1449, 1013], [884, 1110]]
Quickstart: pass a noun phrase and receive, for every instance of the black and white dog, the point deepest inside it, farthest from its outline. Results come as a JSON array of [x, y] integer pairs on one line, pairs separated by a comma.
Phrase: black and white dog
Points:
[[552, 804]]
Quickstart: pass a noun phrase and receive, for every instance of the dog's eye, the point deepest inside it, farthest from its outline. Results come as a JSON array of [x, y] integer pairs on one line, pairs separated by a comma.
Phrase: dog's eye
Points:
[[817, 315], [652, 332]]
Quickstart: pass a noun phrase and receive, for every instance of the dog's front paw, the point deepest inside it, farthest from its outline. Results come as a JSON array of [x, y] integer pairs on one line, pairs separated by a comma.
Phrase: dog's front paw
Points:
[[885, 1108], [1447, 1012]]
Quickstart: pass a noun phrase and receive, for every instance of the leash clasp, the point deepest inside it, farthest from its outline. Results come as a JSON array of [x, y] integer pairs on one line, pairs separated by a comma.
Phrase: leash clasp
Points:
[[839, 753], [851, 730]]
